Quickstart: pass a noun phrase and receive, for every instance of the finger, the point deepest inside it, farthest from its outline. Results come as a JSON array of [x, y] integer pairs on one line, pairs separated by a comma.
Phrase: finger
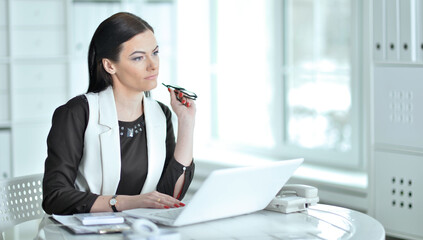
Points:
[[190, 103], [173, 97], [180, 97], [164, 200], [184, 101], [157, 203], [171, 202], [180, 94]]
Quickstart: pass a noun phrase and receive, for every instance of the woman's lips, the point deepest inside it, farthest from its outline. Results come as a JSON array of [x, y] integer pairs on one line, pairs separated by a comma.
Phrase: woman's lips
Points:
[[152, 77]]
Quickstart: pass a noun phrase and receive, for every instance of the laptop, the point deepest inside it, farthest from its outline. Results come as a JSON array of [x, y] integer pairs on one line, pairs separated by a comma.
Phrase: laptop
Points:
[[226, 193]]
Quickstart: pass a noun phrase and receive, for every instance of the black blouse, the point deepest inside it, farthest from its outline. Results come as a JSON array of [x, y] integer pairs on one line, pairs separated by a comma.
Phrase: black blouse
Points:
[[133, 147], [65, 148]]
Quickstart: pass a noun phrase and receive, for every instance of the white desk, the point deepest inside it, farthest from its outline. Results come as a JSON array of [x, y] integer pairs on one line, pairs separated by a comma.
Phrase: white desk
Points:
[[319, 222]]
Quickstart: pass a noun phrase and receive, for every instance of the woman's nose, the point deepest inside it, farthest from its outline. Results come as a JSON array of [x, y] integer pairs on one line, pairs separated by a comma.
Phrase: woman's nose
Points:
[[153, 64]]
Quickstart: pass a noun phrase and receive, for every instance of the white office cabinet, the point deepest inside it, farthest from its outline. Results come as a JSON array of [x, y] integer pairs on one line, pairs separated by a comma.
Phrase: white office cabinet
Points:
[[392, 37], [5, 160], [4, 93], [4, 107], [397, 159], [379, 45], [29, 147], [38, 28], [38, 88], [36, 107], [399, 193], [33, 42], [419, 30], [407, 30], [37, 64], [78, 78], [3, 13], [4, 77], [3, 29], [39, 76], [38, 13], [85, 23], [4, 51], [398, 111]]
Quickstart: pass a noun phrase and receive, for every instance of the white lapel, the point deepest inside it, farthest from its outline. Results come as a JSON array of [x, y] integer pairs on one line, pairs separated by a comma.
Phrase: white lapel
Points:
[[155, 122], [109, 142]]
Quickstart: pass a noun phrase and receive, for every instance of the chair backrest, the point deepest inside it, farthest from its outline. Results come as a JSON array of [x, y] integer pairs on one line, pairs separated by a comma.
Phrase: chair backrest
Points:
[[20, 200]]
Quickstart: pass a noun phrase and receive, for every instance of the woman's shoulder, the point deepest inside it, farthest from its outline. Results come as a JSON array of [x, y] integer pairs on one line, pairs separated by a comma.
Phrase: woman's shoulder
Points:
[[79, 102], [76, 106]]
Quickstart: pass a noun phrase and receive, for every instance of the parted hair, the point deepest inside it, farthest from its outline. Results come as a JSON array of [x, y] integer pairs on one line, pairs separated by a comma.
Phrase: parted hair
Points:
[[107, 43]]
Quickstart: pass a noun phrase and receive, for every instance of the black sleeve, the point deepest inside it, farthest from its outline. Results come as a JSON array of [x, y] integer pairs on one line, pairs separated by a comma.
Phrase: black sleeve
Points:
[[65, 145], [172, 168]]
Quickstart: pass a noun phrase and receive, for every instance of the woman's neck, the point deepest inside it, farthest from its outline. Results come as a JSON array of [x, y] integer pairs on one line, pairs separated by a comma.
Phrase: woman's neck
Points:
[[129, 106]]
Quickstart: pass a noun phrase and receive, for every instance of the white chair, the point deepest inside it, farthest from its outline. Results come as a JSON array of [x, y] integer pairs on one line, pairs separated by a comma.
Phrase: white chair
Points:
[[20, 200]]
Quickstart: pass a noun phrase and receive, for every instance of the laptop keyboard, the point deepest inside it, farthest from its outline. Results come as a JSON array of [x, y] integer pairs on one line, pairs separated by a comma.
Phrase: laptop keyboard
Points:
[[170, 214]]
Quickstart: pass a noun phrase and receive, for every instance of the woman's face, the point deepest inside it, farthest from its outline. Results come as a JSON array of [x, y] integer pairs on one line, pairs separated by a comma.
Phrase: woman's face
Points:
[[138, 66]]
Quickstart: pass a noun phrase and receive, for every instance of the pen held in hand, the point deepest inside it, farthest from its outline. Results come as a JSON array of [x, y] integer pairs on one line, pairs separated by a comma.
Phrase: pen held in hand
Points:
[[182, 93]]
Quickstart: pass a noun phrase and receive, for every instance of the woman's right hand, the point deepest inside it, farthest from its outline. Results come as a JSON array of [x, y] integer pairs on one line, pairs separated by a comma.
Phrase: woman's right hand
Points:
[[157, 200]]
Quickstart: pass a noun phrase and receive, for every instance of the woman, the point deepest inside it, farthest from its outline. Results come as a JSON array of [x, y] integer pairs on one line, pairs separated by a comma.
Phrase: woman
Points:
[[114, 148]]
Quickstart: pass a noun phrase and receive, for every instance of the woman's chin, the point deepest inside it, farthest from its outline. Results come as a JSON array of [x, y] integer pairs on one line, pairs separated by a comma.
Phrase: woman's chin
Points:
[[150, 86]]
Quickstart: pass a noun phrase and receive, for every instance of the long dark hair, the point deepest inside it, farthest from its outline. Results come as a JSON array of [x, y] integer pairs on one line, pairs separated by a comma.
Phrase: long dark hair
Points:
[[107, 43]]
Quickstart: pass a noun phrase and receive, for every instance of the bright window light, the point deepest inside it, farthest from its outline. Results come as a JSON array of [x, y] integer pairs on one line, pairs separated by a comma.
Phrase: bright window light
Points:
[[318, 83], [283, 79]]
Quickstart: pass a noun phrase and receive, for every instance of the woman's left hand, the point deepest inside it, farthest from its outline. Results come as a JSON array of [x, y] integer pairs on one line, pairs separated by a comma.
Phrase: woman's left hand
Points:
[[185, 109]]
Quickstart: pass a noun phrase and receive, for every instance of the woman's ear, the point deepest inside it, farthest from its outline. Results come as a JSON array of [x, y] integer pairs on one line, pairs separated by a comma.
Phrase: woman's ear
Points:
[[108, 66]]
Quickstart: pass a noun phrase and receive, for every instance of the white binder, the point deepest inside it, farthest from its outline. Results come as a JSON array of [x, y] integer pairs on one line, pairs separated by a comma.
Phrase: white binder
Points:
[[392, 36], [379, 43], [407, 32]]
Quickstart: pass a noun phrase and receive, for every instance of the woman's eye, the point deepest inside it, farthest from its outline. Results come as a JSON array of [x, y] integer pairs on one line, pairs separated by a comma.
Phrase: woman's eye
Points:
[[155, 53], [138, 58]]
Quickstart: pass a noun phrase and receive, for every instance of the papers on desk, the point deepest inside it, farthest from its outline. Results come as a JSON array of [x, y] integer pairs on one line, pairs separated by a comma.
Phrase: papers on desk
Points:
[[138, 231], [75, 225]]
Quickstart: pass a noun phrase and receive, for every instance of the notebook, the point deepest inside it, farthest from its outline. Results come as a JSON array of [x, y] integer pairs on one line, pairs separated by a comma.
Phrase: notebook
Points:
[[100, 218], [226, 193]]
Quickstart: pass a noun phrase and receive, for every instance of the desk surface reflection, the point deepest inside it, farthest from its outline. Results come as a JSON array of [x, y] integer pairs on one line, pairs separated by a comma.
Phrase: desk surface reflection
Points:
[[318, 222]]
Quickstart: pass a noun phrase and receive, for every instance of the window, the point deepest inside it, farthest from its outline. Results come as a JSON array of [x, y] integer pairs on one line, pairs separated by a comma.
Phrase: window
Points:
[[244, 76], [285, 78], [318, 76]]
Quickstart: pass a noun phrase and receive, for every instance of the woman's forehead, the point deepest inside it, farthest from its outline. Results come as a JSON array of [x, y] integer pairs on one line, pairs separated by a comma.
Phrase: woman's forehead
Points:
[[145, 41]]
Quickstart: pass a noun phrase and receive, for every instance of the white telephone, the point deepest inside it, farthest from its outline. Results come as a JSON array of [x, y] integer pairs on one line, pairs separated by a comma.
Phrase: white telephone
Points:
[[294, 198]]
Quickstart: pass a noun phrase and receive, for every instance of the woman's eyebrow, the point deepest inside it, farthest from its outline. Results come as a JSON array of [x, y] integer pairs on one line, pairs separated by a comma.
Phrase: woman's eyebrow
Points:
[[142, 52]]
